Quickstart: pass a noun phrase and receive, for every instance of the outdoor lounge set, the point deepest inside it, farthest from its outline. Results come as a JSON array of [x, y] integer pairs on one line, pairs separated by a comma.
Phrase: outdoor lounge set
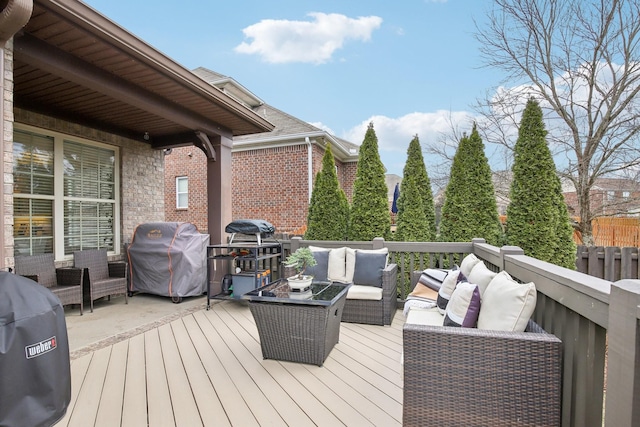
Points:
[[492, 365], [70, 284]]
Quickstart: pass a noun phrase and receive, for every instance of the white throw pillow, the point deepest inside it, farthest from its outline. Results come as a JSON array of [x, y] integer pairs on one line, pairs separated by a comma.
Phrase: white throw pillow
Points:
[[468, 263], [480, 275], [350, 265], [506, 304], [337, 266], [448, 286]]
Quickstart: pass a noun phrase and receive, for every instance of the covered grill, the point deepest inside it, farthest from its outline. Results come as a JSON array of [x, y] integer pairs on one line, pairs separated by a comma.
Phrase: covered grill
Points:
[[168, 259]]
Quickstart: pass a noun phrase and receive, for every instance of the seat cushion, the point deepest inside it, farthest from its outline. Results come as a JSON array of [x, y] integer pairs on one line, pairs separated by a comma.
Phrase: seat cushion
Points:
[[364, 292], [424, 316]]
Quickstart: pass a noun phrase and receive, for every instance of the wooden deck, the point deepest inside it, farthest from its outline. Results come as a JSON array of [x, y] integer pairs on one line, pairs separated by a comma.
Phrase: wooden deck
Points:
[[206, 369]]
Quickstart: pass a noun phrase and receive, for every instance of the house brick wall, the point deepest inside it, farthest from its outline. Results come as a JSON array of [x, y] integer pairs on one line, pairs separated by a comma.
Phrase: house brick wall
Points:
[[141, 171], [192, 163], [272, 184], [269, 184]]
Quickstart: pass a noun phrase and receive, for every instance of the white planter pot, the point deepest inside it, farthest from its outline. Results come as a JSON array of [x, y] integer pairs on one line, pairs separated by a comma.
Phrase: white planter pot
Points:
[[299, 284]]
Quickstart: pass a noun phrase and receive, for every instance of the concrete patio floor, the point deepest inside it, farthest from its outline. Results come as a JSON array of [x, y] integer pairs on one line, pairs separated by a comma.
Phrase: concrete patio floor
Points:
[[113, 320]]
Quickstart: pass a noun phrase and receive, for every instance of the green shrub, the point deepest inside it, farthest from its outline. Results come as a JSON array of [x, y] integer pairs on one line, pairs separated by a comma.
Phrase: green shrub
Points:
[[369, 216]]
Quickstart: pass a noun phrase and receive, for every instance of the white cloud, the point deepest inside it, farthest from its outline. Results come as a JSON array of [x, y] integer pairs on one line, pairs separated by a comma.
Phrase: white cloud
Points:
[[394, 134], [315, 41], [322, 126]]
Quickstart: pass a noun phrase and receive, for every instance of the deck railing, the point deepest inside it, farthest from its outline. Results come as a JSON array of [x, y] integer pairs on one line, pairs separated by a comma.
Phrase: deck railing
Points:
[[597, 320]]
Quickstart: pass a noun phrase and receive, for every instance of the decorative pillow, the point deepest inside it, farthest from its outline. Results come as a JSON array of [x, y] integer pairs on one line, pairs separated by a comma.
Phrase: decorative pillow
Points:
[[336, 271], [448, 286], [464, 306], [320, 270], [350, 265], [369, 266], [480, 275], [506, 304], [468, 263]]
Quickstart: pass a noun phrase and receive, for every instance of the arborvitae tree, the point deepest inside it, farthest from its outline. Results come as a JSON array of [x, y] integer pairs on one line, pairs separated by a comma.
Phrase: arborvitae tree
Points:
[[537, 217], [470, 208], [328, 214], [369, 215], [416, 213]]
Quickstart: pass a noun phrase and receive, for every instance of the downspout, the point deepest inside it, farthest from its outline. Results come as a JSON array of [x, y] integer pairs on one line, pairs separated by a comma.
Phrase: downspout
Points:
[[14, 14], [309, 165]]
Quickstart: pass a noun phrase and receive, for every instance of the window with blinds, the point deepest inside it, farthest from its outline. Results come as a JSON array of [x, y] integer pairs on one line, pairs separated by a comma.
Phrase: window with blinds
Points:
[[33, 179], [88, 197], [73, 210]]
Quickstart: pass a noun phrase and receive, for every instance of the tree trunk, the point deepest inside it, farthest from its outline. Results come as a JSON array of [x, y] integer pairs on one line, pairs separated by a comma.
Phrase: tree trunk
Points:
[[584, 222]]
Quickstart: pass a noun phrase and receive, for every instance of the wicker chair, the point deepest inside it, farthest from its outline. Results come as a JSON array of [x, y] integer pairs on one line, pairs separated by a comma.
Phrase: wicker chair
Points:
[[375, 312], [105, 278], [65, 282]]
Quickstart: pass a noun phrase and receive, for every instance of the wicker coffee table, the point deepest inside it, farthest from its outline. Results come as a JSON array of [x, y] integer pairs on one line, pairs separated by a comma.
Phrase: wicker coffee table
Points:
[[298, 326]]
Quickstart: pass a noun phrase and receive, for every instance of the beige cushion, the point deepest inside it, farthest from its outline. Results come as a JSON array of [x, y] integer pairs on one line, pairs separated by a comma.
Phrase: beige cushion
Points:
[[425, 316], [350, 265], [364, 292], [337, 271], [468, 263], [480, 275], [506, 304], [448, 286]]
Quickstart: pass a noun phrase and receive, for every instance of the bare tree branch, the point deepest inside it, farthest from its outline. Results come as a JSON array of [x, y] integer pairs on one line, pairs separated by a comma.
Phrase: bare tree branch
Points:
[[581, 60]]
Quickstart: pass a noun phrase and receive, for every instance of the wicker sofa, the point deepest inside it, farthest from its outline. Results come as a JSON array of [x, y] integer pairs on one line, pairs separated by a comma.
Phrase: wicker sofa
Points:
[[360, 305], [457, 376]]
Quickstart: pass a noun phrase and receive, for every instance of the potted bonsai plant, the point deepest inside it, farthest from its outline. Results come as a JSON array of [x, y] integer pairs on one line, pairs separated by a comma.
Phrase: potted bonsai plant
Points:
[[300, 260]]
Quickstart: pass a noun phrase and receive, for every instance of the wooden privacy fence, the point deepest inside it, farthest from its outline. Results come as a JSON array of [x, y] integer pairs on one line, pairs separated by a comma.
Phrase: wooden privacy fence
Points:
[[609, 263], [614, 231]]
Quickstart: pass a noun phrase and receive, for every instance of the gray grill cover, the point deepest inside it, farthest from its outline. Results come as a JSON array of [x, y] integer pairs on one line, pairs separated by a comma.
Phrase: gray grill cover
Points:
[[35, 375], [168, 259]]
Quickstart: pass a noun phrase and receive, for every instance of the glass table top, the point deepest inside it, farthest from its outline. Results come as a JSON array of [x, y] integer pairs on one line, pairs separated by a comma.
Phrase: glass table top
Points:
[[319, 293]]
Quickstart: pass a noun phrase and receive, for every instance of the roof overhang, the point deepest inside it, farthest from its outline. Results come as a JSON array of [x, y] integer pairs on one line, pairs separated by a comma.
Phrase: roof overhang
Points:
[[72, 63], [340, 150]]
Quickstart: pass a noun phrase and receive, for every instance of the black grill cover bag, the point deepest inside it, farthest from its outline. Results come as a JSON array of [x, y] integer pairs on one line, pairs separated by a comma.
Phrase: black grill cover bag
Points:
[[35, 374], [251, 226]]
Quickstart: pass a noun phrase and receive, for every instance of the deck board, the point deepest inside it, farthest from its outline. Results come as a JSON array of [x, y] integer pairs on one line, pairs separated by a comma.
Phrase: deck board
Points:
[[134, 407], [159, 397], [110, 408], [206, 369]]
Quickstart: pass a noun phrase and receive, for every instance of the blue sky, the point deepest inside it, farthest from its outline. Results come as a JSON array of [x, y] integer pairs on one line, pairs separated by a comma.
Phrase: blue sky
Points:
[[410, 66]]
